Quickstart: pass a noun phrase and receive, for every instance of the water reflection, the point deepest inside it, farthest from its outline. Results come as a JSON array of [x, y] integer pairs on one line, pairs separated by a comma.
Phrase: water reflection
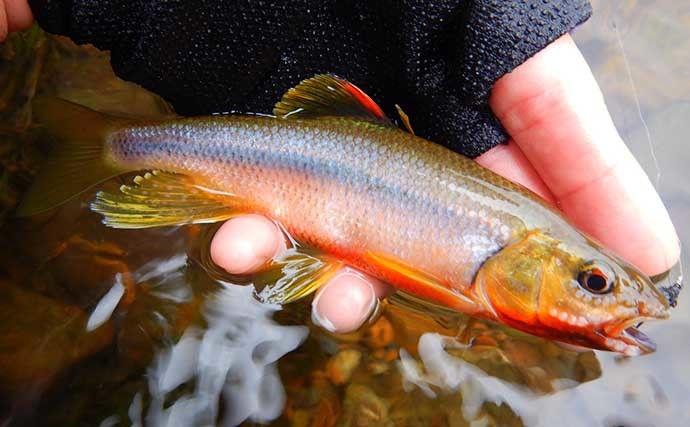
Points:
[[641, 398], [231, 364], [441, 370], [105, 307]]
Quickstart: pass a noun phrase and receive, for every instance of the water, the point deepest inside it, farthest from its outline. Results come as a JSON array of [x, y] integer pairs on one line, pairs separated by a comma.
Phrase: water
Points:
[[114, 327]]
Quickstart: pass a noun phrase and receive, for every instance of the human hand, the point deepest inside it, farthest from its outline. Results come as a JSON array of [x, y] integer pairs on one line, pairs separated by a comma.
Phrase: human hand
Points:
[[564, 147], [244, 244], [15, 15]]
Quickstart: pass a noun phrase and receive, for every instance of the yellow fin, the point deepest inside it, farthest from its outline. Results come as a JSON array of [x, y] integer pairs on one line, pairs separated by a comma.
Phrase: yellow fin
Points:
[[326, 95], [76, 161], [159, 199], [420, 283], [405, 119], [296, 274], [443, 315]]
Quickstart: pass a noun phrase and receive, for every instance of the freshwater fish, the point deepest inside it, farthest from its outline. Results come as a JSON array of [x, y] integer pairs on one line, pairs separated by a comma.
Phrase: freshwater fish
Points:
[[339, 176]]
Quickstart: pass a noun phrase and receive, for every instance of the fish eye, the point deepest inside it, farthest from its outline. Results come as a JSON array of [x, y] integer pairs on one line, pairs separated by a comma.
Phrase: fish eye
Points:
[[596, 279]]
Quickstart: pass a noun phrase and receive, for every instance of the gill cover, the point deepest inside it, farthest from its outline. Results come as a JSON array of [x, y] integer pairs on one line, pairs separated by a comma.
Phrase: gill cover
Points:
[[510, 281], [570, 291]]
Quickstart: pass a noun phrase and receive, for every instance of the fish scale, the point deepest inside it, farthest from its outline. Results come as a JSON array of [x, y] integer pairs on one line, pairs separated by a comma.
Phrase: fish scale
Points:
[[339, 185]]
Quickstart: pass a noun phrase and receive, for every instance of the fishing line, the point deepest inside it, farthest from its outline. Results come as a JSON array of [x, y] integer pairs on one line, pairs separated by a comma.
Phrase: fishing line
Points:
[[673, 284], [637, 105]]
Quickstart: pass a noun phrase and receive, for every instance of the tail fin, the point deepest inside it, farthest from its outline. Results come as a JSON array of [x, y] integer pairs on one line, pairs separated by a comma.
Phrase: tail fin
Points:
[[77, 161]]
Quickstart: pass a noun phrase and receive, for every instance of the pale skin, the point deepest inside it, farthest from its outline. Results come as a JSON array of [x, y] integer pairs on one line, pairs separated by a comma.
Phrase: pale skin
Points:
[[15, 15], [563, 145]]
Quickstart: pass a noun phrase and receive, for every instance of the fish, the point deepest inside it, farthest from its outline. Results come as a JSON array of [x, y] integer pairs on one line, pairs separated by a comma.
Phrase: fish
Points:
[[340, 177]]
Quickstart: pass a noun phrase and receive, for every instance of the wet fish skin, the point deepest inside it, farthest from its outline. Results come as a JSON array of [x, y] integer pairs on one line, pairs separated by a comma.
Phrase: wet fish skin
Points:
[[333, 170], [344, 186], [351, 187]]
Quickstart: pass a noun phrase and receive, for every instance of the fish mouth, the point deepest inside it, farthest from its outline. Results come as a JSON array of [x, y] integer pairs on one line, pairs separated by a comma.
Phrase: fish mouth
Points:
[[626, 338], [634, 336]]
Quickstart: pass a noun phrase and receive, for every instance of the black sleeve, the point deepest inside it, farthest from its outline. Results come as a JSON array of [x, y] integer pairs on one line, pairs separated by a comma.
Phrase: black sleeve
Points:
[[436, 59]]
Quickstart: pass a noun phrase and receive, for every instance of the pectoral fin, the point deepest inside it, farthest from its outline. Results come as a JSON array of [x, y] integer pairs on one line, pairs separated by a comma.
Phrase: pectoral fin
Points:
[[159, 199], [296, 274], [420, 283]]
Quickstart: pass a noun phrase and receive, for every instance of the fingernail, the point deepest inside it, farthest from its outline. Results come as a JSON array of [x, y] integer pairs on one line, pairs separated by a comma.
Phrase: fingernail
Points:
[[344, 304], [244, 244]]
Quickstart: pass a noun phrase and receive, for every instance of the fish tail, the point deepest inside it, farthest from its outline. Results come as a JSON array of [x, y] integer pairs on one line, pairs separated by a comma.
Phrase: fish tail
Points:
[[77, 160]]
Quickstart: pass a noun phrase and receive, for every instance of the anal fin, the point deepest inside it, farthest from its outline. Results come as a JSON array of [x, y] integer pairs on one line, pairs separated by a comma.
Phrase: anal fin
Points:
[[162, 199], [420, 283]]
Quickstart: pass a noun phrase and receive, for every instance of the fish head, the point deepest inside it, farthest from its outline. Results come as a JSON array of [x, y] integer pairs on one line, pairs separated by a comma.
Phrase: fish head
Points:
[[572, 292]]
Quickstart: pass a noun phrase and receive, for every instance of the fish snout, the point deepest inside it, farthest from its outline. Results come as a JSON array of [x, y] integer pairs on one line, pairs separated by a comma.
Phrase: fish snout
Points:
[[651, 301], [653, 309]]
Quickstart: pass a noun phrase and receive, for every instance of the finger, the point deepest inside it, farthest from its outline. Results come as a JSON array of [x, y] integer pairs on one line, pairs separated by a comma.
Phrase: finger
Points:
[[553, 109], [18, 14], [245, 243], [510, 162], [344, 303], [3, 21]]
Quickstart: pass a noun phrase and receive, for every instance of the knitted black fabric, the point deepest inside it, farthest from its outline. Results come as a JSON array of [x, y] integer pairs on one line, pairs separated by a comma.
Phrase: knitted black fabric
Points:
[[437, 59]]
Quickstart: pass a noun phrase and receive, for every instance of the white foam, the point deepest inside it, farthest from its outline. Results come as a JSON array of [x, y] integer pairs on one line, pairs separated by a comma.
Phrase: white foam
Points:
[[105, 307]]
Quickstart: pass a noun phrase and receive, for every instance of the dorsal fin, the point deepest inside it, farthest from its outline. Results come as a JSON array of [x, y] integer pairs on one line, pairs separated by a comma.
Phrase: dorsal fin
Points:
[[404, 118], [327, 95]]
